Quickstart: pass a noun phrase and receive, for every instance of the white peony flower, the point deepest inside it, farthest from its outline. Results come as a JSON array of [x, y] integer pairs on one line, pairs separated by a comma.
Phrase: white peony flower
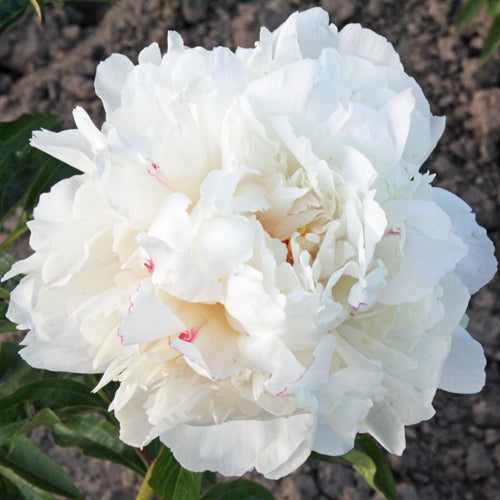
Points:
[[251, 251]]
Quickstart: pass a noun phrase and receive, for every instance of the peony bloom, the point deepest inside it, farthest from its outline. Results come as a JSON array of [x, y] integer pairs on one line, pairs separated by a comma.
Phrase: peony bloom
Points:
[[251, 251]]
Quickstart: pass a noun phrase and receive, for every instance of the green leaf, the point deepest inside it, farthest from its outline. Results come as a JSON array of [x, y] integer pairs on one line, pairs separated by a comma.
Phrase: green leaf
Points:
[[51, 172], [7, 489], [11, 12], [20, 164], [25, 463], [14, 371], [12, 430], [5, 325], [492, 42], [370, 462], [56, 393], [209, 478], [468, 11], [23, 489], [97, 438], [171, 481], [494, 8], [383, 479], [6, 262], [241, 489], [43, 417]]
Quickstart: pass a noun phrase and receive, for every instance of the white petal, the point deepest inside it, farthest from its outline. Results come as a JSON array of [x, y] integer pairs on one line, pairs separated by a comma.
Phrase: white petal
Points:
[[398, 111], [25, 266], [50, 356], [69, 146], [329, 442], [172, 223], [85, 125], [270, 354], [174, 41], [110, 77], [429, 251], [266, 446], [222, 244], [313, 32], [209, 344], [425, 131], [463, 371], [385, 426], [22, 302], [148, 318], [128, 405], [150, 55], [246, 301], [479, 265], [177, 273], [316, 372], [365, 43]]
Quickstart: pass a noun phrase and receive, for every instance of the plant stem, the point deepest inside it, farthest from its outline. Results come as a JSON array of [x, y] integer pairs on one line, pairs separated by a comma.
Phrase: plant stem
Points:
[[146, 492], [145, 457], [19, 231]]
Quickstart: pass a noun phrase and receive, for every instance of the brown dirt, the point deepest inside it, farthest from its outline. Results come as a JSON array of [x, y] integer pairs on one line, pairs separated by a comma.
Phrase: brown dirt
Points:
[[456, 455]]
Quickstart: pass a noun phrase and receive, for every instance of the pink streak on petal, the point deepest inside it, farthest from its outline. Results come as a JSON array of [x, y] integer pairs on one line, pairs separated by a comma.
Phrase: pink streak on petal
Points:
[[191, 333], [156, 172], [129, 311], [190, 359], [359, 305], [392, 232], [300, 378], [149, 265]]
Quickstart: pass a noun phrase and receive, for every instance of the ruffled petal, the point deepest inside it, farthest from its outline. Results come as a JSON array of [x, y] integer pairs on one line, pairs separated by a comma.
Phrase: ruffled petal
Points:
[[479, 265], [425, 253]]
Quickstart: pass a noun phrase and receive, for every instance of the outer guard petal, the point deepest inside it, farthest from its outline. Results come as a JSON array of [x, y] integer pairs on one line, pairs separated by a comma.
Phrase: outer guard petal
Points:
[[463, 371], [479, 265], [268, 446]]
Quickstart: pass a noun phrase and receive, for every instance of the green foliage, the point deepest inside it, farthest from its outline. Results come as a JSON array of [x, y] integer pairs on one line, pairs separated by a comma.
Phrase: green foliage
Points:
[[239, 489], [467, 13], [30, 398], [25, 172], [370, 462], [97, 438], [12, 11], [6, 262], [492, 42], [171, 481], [25, 471], [33, 473]]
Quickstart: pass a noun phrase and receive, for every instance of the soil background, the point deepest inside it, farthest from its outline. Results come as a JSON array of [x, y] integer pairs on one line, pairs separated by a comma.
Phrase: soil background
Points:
[[455, 455]]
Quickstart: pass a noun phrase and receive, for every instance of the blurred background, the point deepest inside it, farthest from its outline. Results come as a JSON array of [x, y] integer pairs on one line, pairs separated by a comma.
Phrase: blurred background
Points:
[[456, 455]]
